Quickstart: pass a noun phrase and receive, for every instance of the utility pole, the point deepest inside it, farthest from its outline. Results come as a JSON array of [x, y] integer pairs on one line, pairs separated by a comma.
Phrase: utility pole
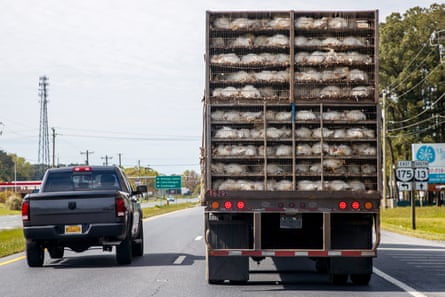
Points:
[[106, 159], [54, 146], [87, 153], [120, 160], [43, 154]]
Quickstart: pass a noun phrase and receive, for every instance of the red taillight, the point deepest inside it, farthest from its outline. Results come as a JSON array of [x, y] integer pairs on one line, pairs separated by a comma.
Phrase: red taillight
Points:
[[120, 207], [228, 204], [82, 169], [240, 204], [25, 211], [342, 205], [355, 205]]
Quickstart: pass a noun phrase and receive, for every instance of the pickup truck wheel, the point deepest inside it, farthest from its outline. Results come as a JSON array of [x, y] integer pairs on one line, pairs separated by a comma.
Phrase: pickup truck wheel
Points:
[[56, 252], [34, 254], [123, 252], [138, 243]]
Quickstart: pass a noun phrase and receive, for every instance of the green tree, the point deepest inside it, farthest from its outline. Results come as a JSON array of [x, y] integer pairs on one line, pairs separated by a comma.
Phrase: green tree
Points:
[[191, 180], [412, 79]]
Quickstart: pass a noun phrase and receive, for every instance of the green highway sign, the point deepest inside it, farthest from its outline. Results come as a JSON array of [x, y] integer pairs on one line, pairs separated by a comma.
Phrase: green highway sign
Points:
[[168, 182]]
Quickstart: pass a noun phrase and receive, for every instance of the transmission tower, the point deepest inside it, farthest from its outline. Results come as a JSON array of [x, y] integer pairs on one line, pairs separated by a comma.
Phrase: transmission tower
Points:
[[43, 158]]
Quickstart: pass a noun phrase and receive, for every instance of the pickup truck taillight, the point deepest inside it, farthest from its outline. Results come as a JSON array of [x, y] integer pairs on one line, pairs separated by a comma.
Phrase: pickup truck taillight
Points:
[[25, 211], [120, 207]]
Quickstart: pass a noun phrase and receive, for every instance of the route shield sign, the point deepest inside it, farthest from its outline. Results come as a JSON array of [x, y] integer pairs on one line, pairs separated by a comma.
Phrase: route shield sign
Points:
[[404, 174]]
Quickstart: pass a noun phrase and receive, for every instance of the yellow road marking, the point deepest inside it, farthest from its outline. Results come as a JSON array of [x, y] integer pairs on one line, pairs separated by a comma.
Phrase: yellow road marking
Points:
[[12, 260]]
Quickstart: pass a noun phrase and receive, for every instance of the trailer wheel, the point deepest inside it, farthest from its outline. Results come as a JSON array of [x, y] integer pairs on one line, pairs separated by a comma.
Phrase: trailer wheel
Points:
[[338, 279], [361, 279], [123, 251], [34, 254]]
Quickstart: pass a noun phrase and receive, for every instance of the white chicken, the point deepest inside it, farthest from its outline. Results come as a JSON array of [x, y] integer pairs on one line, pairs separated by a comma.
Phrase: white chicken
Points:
[[217, 168], [333, 164], [331, 42], [337, 23], [225, 92], [279, 23], [268, 92], [222, 23], [217, 115], [278, 40], [250, 116], [226, 133], [304, 23], [250, 91], [307, 185], [246, 40], [274, 169], [361, 91], [364, 149], [357, 185], [357, 75], [332, 115], [239, 24], [305, 115], [340, 150], [318, 148], [338, 185], [283, 150], [235, 169], [320, 24], [252, 59], [302, 57], [229, 59], [301, 168], [368, 169], [232, 116], [309, 74], [283, 185], [303, 132], [316, 58], [353, 42], [322, 133], [339, 133], [303, 149], [239, 76], [330, 92], [355, 115], [300, 41], [283, 116], [315, 168]]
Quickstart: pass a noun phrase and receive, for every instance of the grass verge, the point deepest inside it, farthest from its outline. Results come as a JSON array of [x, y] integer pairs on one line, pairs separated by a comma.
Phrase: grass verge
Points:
[[429, 221], [5, 211], [12, 241]]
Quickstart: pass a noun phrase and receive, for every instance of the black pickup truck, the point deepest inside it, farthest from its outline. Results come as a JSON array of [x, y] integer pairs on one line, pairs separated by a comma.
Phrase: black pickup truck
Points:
[[82, 207]]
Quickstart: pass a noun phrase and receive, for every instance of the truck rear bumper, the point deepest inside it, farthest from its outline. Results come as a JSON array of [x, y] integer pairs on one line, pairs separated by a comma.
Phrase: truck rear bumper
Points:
[[88, 232]]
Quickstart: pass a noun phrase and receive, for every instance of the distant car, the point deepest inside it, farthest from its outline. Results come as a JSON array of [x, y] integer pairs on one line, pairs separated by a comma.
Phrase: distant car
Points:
[[170, 198]]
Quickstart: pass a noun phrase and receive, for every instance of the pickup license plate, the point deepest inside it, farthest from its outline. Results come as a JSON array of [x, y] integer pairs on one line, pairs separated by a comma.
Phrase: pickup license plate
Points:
[[73, 229], [294, 221]]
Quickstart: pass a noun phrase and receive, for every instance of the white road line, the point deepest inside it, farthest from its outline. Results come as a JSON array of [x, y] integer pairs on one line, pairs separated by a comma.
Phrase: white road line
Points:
[[179, 260], [199, 237], [398, 283]]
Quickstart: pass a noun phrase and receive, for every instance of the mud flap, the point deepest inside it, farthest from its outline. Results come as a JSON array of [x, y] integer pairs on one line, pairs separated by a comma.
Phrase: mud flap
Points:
[[232, 268]]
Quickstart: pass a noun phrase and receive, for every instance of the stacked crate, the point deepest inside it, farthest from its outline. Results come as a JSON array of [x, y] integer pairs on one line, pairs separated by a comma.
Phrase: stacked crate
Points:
[[291, 101]]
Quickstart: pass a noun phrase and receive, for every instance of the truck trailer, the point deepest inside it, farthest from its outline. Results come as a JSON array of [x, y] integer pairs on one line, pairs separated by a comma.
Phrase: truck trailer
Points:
[[291, 154]]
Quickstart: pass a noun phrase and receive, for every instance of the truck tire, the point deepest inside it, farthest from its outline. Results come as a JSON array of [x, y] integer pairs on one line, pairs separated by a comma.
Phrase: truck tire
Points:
[[361, 279], [123, 251], [138, 243], [34, 254], [338, 279], [56, 252]]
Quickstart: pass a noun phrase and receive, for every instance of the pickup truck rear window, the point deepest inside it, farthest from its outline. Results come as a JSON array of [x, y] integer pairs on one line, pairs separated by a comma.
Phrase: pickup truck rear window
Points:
[[81, 181]]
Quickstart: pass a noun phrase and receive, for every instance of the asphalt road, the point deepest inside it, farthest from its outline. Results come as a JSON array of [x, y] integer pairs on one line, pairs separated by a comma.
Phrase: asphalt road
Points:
[[174, 265]]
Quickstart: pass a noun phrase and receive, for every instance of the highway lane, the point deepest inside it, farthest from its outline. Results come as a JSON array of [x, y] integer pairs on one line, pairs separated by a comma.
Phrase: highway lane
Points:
[[174, 265]]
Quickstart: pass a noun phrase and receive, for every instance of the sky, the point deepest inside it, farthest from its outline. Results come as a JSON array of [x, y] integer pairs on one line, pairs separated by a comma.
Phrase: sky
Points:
[[126, 77]]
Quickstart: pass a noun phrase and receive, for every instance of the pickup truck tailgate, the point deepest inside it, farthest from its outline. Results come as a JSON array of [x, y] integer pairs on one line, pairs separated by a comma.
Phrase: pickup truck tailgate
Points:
[[71, 208]]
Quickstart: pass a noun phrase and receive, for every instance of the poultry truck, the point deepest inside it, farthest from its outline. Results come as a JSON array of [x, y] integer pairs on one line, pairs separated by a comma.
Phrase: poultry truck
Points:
[[291, 154]]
